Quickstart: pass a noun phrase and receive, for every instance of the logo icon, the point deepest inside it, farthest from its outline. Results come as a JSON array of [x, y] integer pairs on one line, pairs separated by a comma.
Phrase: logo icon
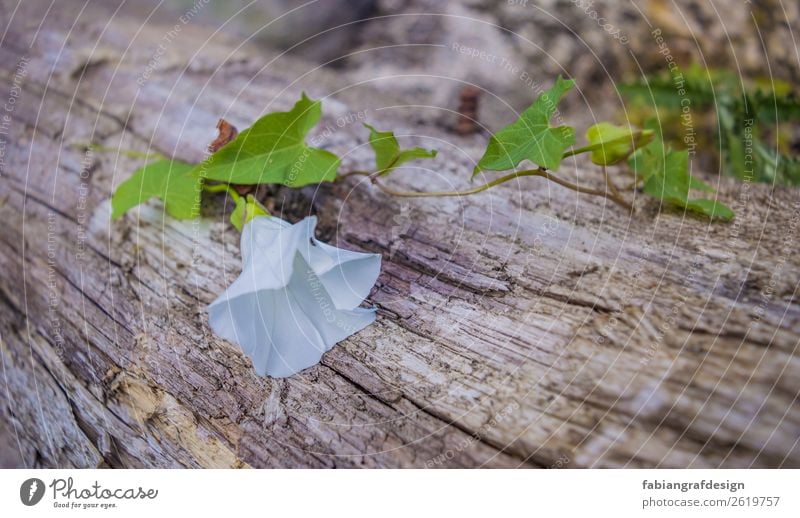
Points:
[[31, 491]]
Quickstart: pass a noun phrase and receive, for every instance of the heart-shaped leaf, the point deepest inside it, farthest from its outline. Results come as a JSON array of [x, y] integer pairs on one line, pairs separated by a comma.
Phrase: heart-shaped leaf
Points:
[[388, 154], [165, 179], [273, 150], [531, 137]]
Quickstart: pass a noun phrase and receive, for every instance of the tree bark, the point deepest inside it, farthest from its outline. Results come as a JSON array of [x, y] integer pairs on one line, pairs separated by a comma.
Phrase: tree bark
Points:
[[526, 326]]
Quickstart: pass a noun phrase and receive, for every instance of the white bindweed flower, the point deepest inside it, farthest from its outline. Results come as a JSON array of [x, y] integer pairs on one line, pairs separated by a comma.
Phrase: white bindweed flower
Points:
[[295, 298]]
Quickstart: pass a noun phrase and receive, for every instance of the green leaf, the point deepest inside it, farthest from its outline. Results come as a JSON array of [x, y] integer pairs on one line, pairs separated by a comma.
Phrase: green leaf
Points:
[[273, 150], [697, 184], [663, 89], [612, 144], [647, 160], [749, 114], [239, 214], [772, 106], [388, 154], [671, 183], [710, 208], [246, 209], [531, 137], [165, 179]]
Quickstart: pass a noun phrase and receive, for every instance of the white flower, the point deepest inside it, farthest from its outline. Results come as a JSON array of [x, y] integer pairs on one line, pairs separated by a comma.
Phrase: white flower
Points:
[[295, 298]]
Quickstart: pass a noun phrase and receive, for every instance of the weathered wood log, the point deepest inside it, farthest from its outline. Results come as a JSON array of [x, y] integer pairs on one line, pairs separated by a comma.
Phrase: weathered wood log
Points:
[[527, 326]]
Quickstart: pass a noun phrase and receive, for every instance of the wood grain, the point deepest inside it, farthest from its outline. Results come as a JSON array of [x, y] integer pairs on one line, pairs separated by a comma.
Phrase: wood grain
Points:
[[525, 327]]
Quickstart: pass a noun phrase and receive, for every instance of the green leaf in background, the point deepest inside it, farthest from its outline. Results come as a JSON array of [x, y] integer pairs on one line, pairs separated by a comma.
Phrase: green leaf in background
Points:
[[671, 182], [531, 137], [696, 184], [612, 144], [668, 179], [165, 179], [388, 154], [645, 161], [273, 150], [739, 113], [710, 208]]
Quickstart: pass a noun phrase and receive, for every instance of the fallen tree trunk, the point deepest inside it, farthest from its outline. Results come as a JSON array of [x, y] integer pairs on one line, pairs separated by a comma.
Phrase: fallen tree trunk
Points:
[[527, 326]]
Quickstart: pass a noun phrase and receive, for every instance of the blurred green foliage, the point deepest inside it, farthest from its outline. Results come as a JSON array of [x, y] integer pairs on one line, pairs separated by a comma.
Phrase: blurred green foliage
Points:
[[749, 126]]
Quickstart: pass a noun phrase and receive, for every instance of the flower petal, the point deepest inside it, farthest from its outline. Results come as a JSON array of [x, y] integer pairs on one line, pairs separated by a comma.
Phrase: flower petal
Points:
[[347, 276], [289, 329], [268, 248], [295, 298]]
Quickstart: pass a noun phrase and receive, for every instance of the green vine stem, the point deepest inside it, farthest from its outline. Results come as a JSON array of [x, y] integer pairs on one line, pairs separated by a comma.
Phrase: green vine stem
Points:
[[223, 187], [130, 153], [611, 192], [610, 183]]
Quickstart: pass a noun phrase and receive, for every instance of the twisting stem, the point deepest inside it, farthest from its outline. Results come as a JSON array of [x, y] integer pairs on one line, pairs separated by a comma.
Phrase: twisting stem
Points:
[[130, 153], [631, 185], [223, 187], [352, 173], [613, 196]]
